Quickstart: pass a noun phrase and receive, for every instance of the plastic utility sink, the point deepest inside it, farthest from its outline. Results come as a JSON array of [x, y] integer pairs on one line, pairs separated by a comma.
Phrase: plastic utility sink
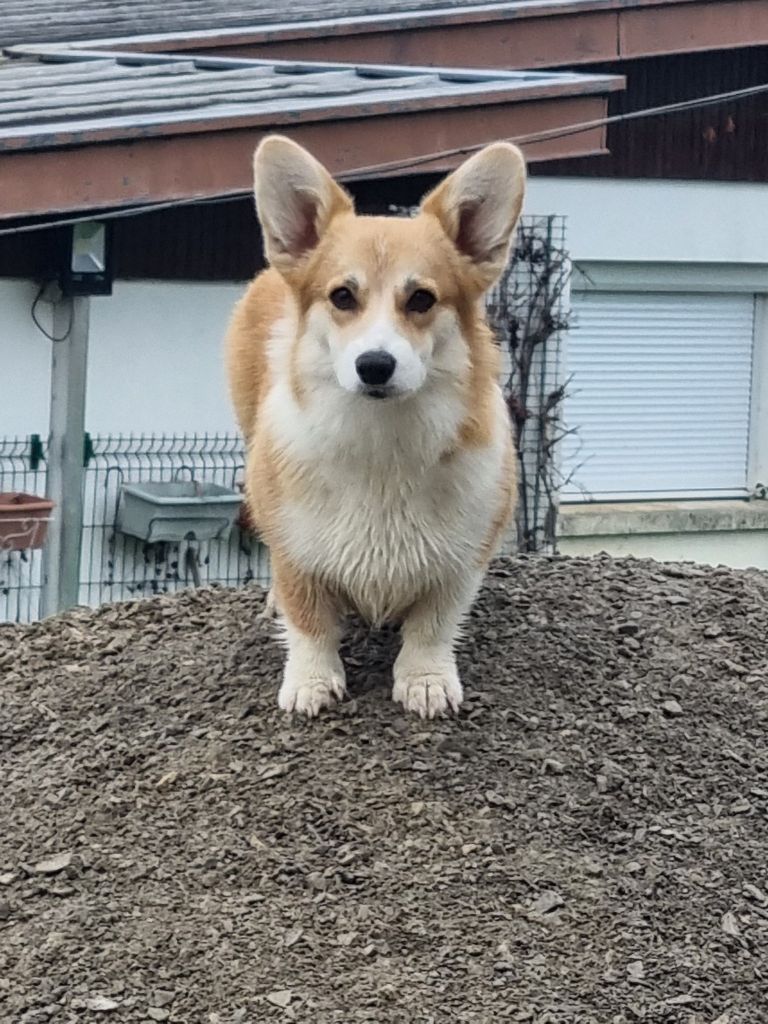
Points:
[[173, 511]]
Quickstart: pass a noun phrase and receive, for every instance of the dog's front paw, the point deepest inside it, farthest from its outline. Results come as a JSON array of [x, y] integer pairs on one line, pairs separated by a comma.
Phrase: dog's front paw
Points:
[[307, 693], [428, 693]]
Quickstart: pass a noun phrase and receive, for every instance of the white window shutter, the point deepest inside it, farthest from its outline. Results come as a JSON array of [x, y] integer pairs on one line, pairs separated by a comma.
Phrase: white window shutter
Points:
[[659, 396]]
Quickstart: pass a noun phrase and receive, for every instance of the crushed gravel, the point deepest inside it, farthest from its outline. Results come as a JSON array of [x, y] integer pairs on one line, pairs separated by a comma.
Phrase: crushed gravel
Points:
[[585, 844]]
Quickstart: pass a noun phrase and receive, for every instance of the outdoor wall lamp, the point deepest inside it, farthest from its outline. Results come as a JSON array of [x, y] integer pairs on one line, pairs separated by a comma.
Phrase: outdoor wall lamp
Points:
[[87, 263]]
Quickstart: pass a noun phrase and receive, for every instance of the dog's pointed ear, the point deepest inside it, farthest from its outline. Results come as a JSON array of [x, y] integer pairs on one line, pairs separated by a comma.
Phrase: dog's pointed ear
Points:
[[479, 205], [296, 199]]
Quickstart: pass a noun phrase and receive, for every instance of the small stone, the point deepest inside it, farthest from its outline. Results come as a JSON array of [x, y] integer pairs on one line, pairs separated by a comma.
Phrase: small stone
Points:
[[292, 937], [741, 806], [102, 1004], [739, 670], [636, 971], [713, 631], [672, 708], [730, 925], [62, 890], [593, 869], [158, 1013], [53, 865], [754, 893], [281, 998], [7, 878], [162, 997], [545, 904], [684, 1000]]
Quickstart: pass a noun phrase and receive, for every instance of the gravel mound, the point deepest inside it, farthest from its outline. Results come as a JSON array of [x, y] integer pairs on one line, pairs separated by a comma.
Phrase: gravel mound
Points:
[[585, 844]]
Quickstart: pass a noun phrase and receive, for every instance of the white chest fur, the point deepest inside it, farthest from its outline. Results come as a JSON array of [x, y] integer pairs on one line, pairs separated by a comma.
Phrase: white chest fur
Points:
[[382, 514]]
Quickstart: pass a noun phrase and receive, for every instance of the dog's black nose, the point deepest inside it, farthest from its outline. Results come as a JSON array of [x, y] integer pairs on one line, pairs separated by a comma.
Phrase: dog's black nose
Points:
[[374, 368]]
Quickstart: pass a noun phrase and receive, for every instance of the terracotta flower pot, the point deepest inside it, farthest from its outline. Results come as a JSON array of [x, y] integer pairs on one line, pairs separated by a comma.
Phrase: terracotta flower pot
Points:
[[23, 521]]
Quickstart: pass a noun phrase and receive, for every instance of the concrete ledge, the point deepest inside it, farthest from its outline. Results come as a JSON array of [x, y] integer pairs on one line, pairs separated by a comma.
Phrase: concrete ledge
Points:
[[595, 519]]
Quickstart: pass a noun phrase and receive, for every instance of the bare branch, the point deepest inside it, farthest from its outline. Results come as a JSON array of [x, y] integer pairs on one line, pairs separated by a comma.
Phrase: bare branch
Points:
[[527, 311]]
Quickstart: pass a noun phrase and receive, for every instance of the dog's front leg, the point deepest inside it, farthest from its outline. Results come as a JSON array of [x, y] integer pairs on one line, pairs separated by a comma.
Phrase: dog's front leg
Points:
[[314, 675], [426, 677]]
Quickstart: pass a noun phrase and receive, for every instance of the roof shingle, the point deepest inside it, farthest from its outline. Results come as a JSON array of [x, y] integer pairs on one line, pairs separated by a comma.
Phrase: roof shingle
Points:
[[51, 98], [44, 21]]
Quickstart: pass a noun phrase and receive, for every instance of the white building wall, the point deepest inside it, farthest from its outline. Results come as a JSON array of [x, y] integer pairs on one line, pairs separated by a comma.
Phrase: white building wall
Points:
[[657, 221], [25, 362], [746, 550], [155, 360]]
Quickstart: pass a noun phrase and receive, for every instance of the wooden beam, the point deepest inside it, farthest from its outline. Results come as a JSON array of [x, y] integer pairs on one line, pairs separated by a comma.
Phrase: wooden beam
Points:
[[206, 164]]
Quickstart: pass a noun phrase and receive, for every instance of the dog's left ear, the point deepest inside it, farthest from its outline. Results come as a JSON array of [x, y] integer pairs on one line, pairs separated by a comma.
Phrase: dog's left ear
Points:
[[479, 205]]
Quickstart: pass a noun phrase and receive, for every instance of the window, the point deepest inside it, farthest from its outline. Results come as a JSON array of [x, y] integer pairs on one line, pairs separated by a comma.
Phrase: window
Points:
[[661, 393]]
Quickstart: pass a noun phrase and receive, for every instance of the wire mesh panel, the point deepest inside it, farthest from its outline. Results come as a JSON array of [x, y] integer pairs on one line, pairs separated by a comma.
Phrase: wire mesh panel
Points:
[[22, 472], [116, 566], [528, 310]]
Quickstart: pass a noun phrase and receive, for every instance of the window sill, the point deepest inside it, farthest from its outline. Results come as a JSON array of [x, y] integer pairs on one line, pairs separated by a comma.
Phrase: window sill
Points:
[[597, 519]]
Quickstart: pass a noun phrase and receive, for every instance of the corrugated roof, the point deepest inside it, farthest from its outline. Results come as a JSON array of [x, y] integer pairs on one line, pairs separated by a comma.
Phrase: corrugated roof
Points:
[[53, 98], [41, 21]]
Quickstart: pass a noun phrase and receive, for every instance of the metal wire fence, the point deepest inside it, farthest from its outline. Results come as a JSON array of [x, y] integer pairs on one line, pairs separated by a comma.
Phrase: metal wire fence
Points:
[[114, 565]]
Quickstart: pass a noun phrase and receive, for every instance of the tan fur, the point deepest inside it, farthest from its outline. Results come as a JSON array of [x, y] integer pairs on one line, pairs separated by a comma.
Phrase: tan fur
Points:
[[506, 505], [307, 603], [249, 329]]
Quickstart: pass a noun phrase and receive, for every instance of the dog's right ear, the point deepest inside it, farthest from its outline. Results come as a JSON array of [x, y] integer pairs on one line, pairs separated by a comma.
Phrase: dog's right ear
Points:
[[296, 199]]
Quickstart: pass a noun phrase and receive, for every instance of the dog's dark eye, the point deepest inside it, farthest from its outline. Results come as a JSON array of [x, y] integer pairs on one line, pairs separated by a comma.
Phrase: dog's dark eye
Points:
[[343, 298], [421, 301]]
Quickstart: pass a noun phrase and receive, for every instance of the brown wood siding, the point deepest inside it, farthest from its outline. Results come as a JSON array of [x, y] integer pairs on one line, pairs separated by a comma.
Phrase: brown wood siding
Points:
[[214, 242], [727, 142]]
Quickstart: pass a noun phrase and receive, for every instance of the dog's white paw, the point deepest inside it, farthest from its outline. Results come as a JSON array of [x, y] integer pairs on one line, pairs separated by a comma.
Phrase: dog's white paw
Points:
[[429, 694], [307, 694]]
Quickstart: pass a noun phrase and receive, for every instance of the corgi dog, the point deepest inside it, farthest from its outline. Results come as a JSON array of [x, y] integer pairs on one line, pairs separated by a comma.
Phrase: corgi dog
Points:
[[381, 469]]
